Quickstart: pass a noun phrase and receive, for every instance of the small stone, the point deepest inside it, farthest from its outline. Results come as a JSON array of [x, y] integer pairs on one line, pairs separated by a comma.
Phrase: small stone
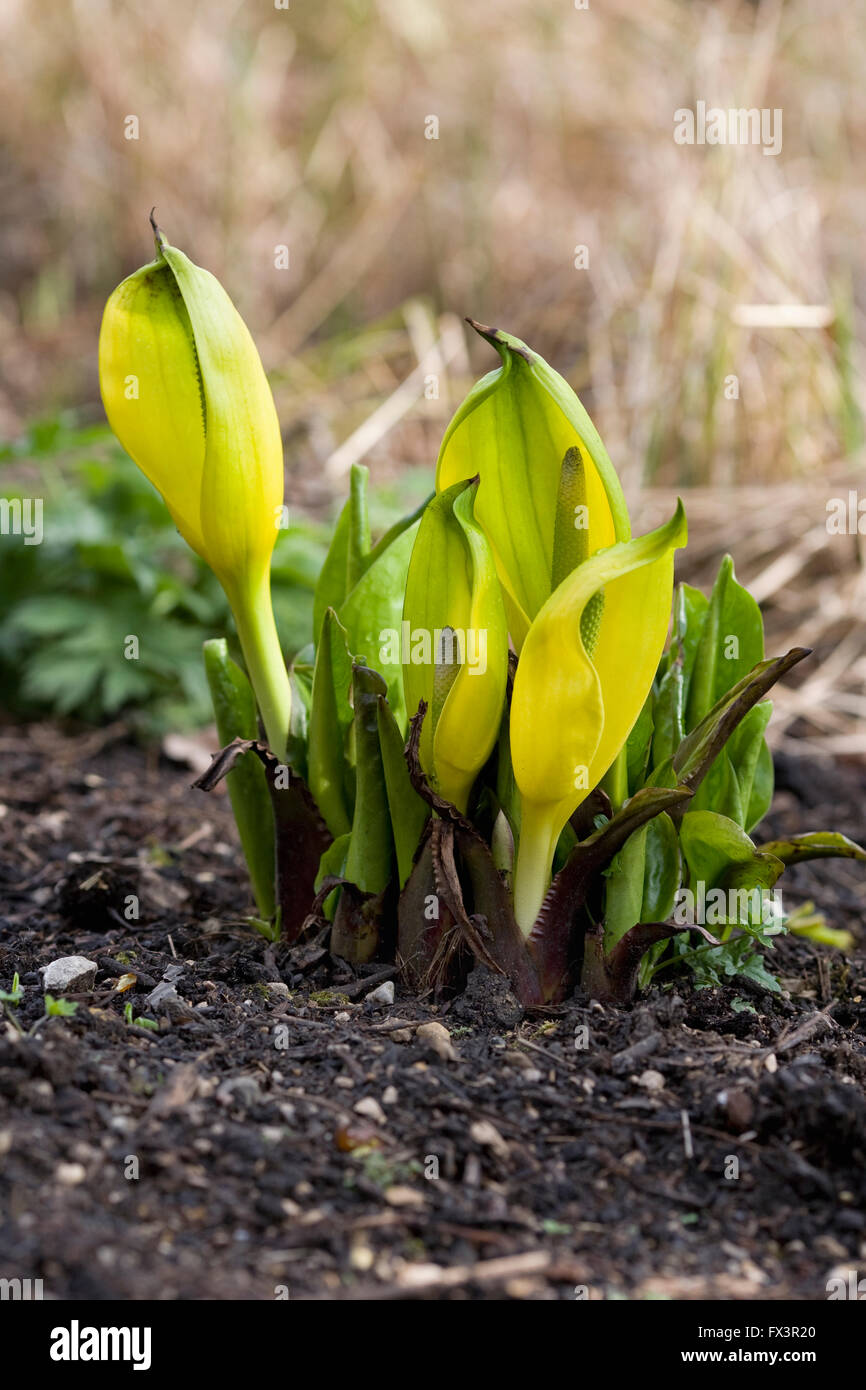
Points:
[[361, 1257], [651, 1080], [68, 973], [403, 1197], [519, 1060], [239, 1090], [771, 1063], [488, 1136], [382, 996], [70, 1174], [738, 1108], [276, 989], [390, 1095], [829, 1247], [401, 1035], [644, 1047], [472, 1171], [371, 1108], [523, 1288], [436, 1037]]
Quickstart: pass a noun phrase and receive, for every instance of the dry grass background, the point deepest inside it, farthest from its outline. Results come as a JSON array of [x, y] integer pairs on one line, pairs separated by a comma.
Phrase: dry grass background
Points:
[[306, 127]]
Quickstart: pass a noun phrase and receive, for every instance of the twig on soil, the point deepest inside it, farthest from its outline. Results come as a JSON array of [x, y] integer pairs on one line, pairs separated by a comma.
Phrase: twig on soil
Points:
[[417, 1280], [688, 1146]]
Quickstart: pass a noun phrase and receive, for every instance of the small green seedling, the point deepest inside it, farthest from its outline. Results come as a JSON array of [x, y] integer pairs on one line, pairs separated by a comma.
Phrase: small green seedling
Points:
[[139, 1022], [13, 995], [59, 1008]]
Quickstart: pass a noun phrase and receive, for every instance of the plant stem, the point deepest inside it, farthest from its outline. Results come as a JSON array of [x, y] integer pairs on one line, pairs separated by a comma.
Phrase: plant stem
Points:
[[538, 837], [260, 644], [615, 780]]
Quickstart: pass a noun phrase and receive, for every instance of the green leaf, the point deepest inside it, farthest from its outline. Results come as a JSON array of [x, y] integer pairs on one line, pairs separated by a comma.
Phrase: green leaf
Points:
[[344, 551], [731, 644], [720, 965], [662, 869], [719, 854], [123, 684], [330, 719], [332, 865], [675, 673], [350, 554], [642, 880], [638, 746], [624, 889], [698, 750], [297, 743], [408, 812], [374, 609], [820, 844], [60, 1008], [739, 764], [763, 783], [235, 712], [358, 540], [370, 857]]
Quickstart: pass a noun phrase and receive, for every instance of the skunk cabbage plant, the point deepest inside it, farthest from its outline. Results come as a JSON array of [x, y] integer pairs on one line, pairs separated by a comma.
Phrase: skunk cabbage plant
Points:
[[512, 741]]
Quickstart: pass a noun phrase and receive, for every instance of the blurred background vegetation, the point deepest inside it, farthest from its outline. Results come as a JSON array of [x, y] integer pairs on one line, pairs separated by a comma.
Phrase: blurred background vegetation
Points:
[[259, 127]]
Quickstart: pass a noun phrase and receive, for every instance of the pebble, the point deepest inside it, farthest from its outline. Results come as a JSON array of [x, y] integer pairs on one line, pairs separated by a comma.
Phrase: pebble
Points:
[[436, 1037], [401, 1035], [520, 1060], [390, 1095], [403, 1197], [70, 1174], [651, 1080], [382, 995], [361, 1257], [487, 1135], [69, 973], [240, 1090], [738, 1108], [829, 1247], [624, 1061], [275, 989], [370, 1107]]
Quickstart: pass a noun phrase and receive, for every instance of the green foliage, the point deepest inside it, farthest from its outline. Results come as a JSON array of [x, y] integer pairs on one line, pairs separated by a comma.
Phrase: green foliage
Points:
[[13, 995], [112, 566], [235, 710], [364, 584], [720, 965], [715, 654], [59, 1008]]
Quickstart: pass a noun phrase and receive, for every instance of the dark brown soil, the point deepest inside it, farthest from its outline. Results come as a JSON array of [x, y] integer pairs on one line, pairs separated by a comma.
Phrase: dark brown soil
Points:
[[687, 1151]]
